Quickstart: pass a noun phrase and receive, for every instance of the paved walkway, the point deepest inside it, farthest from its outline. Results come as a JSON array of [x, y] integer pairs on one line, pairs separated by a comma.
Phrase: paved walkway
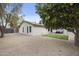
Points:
[[22, 45]]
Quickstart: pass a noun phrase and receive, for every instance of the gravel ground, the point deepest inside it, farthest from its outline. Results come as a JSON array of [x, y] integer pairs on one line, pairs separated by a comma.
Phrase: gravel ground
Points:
[[23, 45]]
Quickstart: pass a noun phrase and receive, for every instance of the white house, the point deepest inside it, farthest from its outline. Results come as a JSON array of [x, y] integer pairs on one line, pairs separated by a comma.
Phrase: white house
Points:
[[29, 28], [32, 28]]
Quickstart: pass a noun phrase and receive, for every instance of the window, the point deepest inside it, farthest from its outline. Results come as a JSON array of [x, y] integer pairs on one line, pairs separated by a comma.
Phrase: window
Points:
[[27, 29], [30, 28]]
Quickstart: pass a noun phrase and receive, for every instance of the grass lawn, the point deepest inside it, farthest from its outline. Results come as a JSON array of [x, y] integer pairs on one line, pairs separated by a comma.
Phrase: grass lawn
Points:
[[58, 36]]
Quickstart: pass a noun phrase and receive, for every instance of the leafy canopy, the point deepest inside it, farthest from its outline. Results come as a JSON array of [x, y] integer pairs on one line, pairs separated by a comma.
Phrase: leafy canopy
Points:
[[9, 13], [59, 15]]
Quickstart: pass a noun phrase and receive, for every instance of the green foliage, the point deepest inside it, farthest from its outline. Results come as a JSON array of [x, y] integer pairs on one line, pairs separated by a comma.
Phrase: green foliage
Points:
[[9, 13], [58, 36], [2, 8], [61, 15]]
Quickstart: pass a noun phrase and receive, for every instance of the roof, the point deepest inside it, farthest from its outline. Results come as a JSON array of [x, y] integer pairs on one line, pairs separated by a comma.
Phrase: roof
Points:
[[36, 25]]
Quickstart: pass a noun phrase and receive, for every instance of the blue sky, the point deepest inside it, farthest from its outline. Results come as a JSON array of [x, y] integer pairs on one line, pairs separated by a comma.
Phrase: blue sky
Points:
[[29, 11]]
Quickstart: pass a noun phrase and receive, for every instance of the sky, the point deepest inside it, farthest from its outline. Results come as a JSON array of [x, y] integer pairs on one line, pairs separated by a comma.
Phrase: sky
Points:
[[29, 11]]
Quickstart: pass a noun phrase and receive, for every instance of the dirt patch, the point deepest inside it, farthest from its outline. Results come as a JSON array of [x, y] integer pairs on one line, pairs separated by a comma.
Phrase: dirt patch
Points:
[[23, 45]]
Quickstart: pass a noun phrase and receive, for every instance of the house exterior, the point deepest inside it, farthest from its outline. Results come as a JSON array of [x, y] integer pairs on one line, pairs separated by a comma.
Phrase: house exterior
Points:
[[32, 29]]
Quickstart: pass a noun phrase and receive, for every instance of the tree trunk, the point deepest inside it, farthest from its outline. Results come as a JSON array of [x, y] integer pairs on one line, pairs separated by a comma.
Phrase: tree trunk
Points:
[[77, 37], [1, 32]]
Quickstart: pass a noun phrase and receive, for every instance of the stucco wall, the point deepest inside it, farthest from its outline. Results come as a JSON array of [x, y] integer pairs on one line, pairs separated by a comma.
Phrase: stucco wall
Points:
[[39, 31], [34, 30], [25, 28]]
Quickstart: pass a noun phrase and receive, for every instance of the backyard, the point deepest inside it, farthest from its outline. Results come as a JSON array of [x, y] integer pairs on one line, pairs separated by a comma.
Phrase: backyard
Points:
[[25, 45]]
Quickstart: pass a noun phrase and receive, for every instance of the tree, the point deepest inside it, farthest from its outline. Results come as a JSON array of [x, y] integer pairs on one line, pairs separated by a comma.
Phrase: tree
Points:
[[40, 22], [14, 19], [62, 15], [2, 8], [2, 12], [9, 13]]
